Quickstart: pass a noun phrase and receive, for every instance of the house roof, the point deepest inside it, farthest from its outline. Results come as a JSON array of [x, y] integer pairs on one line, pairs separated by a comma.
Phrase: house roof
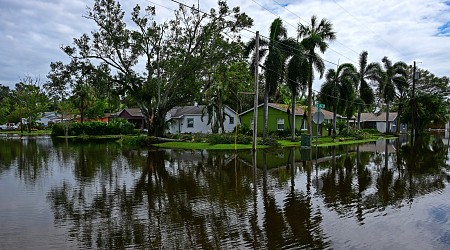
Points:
[[135, 112], [299, 110], [180, 111], [371, 117]]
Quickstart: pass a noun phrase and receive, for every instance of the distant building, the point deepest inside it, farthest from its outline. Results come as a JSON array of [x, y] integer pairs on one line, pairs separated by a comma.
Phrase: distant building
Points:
[[378, 122], [134, 116]]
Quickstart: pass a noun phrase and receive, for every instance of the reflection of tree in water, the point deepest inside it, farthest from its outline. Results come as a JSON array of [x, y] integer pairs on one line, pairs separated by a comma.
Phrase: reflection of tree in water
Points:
[[414, 170], [174, 203], [30, 155], [295, 223]]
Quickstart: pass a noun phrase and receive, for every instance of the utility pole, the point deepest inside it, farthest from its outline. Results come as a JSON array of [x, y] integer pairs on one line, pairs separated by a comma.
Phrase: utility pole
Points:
[[255, 106], [413, 116]]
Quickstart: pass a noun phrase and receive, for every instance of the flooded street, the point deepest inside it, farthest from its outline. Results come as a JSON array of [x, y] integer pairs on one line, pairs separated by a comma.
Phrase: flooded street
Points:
[[381, 195]]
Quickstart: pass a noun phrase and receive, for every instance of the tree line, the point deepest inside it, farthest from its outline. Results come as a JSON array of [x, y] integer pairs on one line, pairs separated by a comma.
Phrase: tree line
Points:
[[200, 57]]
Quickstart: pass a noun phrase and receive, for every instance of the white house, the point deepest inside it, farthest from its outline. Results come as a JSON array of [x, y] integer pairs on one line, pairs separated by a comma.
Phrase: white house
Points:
[[188, 119], [374, 121], [45, 118]]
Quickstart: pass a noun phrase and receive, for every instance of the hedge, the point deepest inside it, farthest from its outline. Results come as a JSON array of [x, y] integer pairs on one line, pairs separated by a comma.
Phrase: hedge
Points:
[[115, 127]]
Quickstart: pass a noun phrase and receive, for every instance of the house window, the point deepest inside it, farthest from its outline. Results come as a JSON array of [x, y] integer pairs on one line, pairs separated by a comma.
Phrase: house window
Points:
[[251, 124], [280, 124], [231, 120], [190, 122]]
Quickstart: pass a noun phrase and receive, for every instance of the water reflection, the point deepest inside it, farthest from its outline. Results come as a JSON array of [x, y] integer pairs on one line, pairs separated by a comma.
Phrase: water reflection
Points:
[[105, 196]]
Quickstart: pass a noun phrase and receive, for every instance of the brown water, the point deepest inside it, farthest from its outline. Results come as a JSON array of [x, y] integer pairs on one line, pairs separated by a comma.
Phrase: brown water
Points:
[[384, 195]]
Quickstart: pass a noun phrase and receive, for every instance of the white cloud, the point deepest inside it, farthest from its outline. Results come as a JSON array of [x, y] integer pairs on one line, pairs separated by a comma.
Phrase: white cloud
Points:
[[31, 31]]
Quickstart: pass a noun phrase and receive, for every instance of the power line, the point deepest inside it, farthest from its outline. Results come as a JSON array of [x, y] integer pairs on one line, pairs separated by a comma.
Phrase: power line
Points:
[[160, 5], [297, 27], [283, 6], [316, 91], [373, 32], [253, 32]]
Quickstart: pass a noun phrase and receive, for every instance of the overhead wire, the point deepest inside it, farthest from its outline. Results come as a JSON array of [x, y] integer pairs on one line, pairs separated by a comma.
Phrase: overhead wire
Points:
[[300, 18], [296, 27], [367, 27], [253, 32]]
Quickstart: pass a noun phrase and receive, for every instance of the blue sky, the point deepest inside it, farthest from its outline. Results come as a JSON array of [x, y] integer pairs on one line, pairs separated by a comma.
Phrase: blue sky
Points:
[[31, 31]]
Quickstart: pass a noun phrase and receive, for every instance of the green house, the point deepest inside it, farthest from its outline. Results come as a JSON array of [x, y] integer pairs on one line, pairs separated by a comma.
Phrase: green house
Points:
[[280, 119]]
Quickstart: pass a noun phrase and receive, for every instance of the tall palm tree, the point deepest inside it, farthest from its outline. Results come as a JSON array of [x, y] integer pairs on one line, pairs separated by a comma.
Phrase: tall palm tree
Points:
[[337, 92], [297, 75], [394, 74], [367, 72], [315, 35], [275, 56]]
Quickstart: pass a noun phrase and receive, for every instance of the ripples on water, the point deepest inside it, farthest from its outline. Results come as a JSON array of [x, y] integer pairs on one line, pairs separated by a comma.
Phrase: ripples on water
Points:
[[56, 195]]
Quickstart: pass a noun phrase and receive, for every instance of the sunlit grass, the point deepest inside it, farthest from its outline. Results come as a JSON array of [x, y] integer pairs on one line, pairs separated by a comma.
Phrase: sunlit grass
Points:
[[25, 132]]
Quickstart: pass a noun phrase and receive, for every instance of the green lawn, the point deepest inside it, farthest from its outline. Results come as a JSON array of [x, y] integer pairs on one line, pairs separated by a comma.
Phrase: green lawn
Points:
[[25, 132]]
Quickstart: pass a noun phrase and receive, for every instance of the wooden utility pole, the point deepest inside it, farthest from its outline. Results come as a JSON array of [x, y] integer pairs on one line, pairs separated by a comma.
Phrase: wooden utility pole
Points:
[[255, 106]]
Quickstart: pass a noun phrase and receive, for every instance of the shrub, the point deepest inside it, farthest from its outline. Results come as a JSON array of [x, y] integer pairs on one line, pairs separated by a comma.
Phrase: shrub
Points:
[[243, 129], [115, 127], [228, 139], [272, 142]]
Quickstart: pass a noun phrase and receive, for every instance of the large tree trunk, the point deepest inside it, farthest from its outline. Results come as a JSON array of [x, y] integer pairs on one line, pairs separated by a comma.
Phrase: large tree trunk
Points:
[[293, 118], [266, 109], [157, 126]]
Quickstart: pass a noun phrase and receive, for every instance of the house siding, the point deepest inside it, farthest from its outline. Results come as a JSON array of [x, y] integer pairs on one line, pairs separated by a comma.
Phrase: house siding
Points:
[[273, 115]]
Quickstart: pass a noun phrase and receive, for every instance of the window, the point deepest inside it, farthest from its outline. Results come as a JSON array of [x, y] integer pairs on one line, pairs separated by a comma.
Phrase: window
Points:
[[231, 120], [190, 122], [280, 124], [251, 124]]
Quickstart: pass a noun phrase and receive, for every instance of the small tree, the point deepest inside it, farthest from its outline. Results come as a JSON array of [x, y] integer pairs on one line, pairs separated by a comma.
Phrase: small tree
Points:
[[30, 100]]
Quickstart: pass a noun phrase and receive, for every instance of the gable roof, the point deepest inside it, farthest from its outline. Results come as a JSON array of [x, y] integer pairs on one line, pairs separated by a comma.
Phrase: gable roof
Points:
[[299, 110], [135, 112], [371, 117], [180, 111]]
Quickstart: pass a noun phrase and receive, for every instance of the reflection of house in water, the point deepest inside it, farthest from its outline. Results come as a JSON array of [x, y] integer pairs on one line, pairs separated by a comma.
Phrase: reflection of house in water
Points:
[[194, 157], [377, 146]]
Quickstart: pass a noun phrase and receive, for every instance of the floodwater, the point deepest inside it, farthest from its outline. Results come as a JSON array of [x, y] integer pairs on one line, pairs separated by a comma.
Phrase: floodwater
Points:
[[80, 195]]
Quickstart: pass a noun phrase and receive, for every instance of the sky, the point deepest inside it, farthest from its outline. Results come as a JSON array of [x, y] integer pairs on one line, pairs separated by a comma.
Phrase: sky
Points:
[[32, 31]]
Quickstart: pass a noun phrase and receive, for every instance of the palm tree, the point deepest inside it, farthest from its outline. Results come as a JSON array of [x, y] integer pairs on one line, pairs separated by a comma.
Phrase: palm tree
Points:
[[275, 56], [337, 92], [315, 36], [393, 75], [372, 72], [297, 75]]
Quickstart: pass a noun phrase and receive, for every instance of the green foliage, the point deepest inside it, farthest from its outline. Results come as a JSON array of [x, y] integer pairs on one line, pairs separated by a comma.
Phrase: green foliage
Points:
[[371, 131], [341, 125], [269, 141], [228, 139], [115, 127], [280, 133], [176, 52], [358, 134], [144, 141], [243, 129]]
